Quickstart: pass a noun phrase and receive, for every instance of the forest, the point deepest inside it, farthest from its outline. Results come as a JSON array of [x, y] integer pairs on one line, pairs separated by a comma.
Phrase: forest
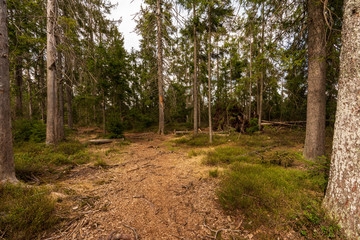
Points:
[[233, 119]]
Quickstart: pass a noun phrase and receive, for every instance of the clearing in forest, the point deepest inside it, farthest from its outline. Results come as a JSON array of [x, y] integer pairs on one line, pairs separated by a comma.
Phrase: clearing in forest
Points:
[[145, 190]]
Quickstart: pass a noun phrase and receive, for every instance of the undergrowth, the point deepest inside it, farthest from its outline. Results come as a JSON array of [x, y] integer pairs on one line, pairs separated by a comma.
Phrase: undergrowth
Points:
[[268, 181], [25, 212], [37, 159], [200, 140]]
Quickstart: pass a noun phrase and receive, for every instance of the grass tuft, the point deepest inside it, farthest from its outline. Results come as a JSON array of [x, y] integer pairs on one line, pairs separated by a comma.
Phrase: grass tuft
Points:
[[25, 212]]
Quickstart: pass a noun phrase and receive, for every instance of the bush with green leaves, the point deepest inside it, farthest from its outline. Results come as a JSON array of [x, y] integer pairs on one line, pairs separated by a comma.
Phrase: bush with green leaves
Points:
[[253, 126], [115, 128], [25, 212], [29, 130]]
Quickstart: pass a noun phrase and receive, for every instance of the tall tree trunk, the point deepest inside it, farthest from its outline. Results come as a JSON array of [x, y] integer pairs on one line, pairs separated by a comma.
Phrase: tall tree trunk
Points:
[[160, 68], [68, 91], [209, 76], [30, 94], [316, 99], [7, 168], [60, 130], [104, 111], [262, 71], [342, 195], [195, 91], [250, 87], [69, 106], [42, 87], [19, 87], [51, 137]]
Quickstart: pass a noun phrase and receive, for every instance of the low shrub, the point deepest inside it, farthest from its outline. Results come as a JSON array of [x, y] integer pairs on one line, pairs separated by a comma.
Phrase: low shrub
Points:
[[115, 128], [226, 155], [69, 148], [253, 126], [29, 130], [25, 212], [272, 195], [200, 140]]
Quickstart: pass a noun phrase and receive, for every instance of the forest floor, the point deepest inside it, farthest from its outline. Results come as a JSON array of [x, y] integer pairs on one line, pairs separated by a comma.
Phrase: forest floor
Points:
[[146, 190]]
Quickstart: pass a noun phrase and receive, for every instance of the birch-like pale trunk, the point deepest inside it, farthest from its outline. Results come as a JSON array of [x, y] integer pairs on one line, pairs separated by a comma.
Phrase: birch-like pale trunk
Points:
[[342, 199], [160, 68], [7, 168]]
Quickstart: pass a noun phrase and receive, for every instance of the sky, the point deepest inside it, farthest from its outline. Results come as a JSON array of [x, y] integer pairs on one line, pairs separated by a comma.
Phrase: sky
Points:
[[126, 10]]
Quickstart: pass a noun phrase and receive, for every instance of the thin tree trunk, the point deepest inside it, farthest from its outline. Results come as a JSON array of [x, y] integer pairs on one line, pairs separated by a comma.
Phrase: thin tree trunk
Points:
[[342, 195], [19, 87], [262, 71], [209, 76], [68, 91], [42, 88], [51, 74], [69, 106], [7, 168], [316, 99], [195, 93], [160, 68], [250, 87], [60, 131], [104, 111], [30, 94]]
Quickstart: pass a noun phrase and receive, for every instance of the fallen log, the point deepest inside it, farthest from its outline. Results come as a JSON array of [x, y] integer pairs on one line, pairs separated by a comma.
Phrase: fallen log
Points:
[[100, 141]]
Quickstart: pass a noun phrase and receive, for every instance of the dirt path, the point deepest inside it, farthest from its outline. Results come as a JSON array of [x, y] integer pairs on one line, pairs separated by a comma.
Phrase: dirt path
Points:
[[150, 192]]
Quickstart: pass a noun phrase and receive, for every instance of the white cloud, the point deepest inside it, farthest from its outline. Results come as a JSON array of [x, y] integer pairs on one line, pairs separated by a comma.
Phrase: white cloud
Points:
[[126, 9]]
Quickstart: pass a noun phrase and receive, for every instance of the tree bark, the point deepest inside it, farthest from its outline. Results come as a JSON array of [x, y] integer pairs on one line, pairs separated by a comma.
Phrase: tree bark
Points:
[[160, 68], [195, 92], [209, 75], [250, 87], [104, 111], [42, 87], [7, 168], [60, 130], [342, 195], [69, 106], [19, 87], [316, 99], [30, 94], [51, 137], [262, 71]]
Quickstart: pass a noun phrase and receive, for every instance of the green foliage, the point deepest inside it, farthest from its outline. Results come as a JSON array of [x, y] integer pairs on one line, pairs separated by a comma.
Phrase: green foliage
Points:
[[37, 159], [200, 140], [69, 147], [115, 128], [194, 153], [101, 163], [282, 158], [226, 155], [254, 127], [29, 130], [214, 173], [25, 212]]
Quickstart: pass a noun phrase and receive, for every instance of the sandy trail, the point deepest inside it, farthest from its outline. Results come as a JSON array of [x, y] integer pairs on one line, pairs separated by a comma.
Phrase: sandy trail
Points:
[[150, 192]]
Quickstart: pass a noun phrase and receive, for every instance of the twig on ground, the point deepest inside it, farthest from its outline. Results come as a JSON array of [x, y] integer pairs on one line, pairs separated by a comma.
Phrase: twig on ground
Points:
[[134, 231]]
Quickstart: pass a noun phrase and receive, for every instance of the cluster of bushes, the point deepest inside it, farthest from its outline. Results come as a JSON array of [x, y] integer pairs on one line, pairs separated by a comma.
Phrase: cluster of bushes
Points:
[[29, 130], [36, 159], [263, 183], [25, 212]]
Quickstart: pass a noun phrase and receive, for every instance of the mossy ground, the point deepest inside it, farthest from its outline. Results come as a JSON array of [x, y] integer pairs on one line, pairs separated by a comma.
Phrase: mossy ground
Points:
[[266, 179]]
